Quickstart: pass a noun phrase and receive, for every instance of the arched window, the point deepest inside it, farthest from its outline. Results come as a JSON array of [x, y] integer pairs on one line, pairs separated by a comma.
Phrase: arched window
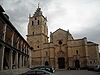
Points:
[[33, 33], [38, 22], [77, 52], [46, 63], [37, 46], [32, 23]]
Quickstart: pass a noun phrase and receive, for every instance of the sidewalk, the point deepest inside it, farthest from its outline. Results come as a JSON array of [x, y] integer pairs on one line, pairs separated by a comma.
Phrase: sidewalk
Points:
[[14, 71]]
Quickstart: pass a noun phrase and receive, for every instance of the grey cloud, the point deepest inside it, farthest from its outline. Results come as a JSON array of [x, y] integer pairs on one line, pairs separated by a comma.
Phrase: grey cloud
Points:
[[87, 15], [1, 2], [92, 34], [18, 11]]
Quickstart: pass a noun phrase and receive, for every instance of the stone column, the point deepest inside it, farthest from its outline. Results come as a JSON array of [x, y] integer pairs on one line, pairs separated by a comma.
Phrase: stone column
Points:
[[12, 43], [5, 29], [23, 61], [87, 56], [20, 62], [30, 59], [26, 49], [16, 60], [16, 57], [97, 51], [41, 57], [18, 43], [12, 39], [10, 59], [27, 63], [2, 48], [86, 52]]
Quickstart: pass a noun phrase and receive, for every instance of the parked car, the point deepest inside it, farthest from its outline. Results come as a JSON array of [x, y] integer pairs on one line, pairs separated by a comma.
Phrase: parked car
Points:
[[37, 72], [97, 68], [90, 68], [47, 68]]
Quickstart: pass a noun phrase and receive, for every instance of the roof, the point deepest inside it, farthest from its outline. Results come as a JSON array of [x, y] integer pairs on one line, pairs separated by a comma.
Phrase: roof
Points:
[[1, 9], [67, 32], [38, 12], [61, 30], [91, 43]]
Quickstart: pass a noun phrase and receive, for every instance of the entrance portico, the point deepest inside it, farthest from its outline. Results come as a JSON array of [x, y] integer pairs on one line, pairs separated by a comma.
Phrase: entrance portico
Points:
[[61, 63], [61, 59]]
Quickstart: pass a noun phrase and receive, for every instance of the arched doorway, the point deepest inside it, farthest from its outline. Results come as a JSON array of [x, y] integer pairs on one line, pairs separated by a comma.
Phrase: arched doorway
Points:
[[77, 64], [46, 63], [61, 63]]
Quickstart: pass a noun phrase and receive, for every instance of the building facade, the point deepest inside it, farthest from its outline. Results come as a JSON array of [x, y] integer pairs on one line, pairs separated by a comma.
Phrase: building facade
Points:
[[15, 52], [63, 50]]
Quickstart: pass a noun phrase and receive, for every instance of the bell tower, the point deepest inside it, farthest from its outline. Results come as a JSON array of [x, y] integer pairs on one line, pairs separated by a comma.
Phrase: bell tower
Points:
[[37, 30], [37, 35]]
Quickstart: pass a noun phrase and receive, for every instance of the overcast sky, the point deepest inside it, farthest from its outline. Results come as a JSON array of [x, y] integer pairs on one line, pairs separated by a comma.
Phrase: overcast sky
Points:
[[81, 17]]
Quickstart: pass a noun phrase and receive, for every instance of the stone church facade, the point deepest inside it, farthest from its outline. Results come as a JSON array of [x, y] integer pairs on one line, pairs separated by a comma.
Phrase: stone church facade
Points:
[[63, 50]]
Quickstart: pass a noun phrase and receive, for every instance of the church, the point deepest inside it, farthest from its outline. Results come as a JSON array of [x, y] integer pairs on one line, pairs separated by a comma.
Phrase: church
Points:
[[63, 50]]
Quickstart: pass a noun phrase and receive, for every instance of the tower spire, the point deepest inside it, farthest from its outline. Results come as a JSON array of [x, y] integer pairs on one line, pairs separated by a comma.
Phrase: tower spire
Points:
[[38, 4]]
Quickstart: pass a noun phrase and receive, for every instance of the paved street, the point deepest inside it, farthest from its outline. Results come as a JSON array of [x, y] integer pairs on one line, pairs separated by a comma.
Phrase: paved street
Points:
[[13, 72], [76, 72], [58, 72]]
